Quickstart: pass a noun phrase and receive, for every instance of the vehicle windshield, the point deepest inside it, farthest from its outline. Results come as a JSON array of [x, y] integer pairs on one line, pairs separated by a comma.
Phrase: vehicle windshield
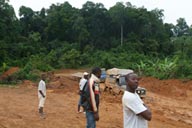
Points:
[[122, 80]]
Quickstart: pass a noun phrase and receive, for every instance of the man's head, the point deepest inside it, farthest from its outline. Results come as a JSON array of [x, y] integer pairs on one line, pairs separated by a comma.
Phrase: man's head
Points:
[[132, 81], [43, 76], [96, 71], [85, 75]]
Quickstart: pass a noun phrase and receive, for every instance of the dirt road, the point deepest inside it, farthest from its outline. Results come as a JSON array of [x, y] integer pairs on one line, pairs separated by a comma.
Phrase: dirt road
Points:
[[169, 100]]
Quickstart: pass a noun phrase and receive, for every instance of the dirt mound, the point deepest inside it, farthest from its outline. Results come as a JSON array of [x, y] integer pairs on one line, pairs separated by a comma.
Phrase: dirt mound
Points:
[[171, 88], [9, 72], [61, 81]]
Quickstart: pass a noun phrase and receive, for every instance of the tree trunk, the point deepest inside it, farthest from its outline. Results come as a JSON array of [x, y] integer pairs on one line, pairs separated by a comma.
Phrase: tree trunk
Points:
[[121, 35]]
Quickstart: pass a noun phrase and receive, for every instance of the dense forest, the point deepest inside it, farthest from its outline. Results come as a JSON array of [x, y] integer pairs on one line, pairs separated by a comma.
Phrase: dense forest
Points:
[[123, 36]]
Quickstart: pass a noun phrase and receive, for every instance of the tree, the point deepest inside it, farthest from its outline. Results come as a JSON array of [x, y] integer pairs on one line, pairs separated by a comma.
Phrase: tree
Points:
[[26, 18], [181, 27], [7, 20], [8, 30], [118, 16], [97, 22], [61, 27], [80, 32]]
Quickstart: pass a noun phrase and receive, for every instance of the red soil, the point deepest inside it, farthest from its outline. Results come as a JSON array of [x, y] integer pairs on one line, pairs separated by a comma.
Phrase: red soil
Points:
[[169, 100]]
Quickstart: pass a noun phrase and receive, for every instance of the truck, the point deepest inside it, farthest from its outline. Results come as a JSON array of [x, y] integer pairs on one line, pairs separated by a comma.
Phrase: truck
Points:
[[115, 82]]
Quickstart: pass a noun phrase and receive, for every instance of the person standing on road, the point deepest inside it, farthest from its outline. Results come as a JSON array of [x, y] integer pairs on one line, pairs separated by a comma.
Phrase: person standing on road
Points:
[[92, 112], [42, 95], [82, 83], [135, 112]]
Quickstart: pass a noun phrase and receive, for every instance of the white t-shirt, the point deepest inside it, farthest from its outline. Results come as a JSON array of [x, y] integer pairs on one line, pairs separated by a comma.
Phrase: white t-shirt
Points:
[[133, 105], [82, 83], [42, 87]]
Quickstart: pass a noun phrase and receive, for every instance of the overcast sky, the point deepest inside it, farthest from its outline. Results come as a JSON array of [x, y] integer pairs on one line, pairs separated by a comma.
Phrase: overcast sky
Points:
[[173, 9]]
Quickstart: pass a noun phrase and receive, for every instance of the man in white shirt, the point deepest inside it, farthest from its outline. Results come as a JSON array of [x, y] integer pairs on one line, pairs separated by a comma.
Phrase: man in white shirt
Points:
[[135, 113], [42, 95], [82, 83]]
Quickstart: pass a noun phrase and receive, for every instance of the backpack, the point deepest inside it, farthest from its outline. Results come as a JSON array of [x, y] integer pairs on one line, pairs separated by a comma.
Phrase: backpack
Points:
[[85, 95]]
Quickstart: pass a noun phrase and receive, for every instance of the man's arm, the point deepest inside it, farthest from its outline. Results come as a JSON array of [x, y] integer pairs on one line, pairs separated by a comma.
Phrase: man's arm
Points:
[[93, 102], [92, 96], [42, 93], [146, 114]]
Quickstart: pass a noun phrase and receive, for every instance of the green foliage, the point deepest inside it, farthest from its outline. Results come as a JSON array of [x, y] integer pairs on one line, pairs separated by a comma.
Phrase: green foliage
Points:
[[31, 71], [70, 59], [184, 69], [37, 62], [23, 74], [3, 68], [103, 59], [66, 37], [162, 69], [51, 59]]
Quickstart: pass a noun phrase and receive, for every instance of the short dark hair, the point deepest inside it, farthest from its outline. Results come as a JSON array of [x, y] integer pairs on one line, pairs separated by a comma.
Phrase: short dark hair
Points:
[[95, 70], [43, 75], [128, 75]]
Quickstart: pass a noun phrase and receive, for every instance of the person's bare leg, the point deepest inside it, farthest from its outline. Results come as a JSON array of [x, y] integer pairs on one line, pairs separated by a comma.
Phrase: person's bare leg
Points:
[[79, 109]]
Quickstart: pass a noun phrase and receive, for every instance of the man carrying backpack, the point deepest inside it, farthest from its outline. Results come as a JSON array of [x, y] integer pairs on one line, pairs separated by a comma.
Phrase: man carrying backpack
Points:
[[82, 83], [92, 111]]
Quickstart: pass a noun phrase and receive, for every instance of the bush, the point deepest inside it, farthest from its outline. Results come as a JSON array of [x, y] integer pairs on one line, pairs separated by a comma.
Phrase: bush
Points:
[[31, 71], [3, 68], [103, 59], [70, 59], [184, 69], [37, 62], [162, 69]]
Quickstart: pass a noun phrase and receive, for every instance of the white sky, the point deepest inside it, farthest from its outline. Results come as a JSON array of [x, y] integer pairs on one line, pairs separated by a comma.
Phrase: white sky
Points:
[[173, 9]]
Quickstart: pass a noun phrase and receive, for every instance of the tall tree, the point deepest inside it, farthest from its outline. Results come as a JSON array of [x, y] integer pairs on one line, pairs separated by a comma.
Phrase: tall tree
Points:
[[181, 27], [80, 32], [7, 19], [61, 27], [97, 21], [117, 13], [8, 30], [26, 18]]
